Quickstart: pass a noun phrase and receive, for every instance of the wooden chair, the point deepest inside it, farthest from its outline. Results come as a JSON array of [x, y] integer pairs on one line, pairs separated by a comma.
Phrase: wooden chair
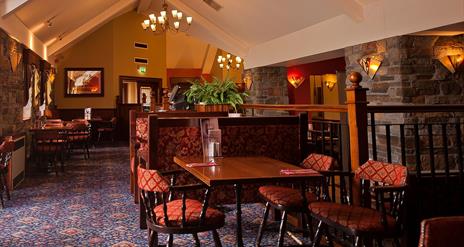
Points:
[[382, 184], [6, 151], [49, 145], [108, 130], [180, 216], [289, 200], [79, 137], [442, 231]]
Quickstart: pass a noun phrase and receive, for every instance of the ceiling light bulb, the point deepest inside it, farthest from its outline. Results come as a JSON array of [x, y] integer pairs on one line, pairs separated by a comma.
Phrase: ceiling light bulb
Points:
[[227, 67], [179, 15], [189, 19], [174, 13], [152, 17], [238, 59], [153, 27], [228, 55], [221, 65], [176, 25], [219, 60], [237, 65], [144, 26], [146, 22], [223, 59], [160, 20], [163, 13]]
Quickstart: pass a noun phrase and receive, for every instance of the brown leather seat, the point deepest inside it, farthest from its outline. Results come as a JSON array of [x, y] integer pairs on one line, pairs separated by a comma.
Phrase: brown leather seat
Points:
[[287, 197], [357, 219], [442, 231], [192, 214]]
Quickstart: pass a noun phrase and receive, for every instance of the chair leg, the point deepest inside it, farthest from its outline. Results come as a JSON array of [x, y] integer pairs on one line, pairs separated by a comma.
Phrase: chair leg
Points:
[[262, 226], [170, 240], [197, 240], [357, 241], [217, 240], [317, 237], [99, 137], [1, 191], [153, 238], [5, 184], [282, 230]]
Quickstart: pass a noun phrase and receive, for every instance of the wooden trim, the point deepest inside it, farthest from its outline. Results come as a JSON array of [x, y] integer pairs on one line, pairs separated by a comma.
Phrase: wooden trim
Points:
[[298, 107], [257, 120], [153, 127], [415, 108]]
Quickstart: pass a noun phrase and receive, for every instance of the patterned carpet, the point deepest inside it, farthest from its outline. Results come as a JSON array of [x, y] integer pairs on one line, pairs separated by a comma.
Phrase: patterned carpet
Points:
[[90, 205]]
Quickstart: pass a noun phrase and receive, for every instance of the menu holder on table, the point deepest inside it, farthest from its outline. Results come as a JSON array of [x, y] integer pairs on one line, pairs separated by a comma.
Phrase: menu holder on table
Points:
[[297, 171]]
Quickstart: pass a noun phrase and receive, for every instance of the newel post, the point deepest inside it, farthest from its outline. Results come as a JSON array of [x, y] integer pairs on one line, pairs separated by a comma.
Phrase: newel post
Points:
[[356, 102]]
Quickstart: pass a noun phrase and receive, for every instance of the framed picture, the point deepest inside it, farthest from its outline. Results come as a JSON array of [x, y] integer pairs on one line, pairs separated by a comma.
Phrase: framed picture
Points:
[[83, 82]]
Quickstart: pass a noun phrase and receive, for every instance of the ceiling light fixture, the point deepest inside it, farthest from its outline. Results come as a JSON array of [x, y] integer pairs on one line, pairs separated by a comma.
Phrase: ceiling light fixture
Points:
[[163, 22], [371, 64], [227, 62], [452, 62]]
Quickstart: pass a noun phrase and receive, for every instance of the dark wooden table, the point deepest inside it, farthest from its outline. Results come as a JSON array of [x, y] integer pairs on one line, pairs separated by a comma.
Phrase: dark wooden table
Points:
[[241, 170]]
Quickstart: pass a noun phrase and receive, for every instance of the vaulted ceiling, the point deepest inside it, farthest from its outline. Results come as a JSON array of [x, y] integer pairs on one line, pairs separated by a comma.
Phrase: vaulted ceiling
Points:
[[264, 31]]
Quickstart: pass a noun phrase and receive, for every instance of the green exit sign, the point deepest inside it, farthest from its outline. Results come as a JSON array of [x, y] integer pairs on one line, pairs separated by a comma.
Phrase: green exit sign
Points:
[[142, 69]]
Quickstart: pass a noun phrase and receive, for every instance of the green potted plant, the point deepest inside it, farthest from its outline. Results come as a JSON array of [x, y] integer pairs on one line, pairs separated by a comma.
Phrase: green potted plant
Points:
[[217, 95]]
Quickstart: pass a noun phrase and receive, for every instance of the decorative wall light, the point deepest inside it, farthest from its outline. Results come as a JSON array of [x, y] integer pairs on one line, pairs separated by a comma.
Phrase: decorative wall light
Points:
[[329, 80], [452, 62], [248, 80], [295, 79], [227, 62], [371, 64]]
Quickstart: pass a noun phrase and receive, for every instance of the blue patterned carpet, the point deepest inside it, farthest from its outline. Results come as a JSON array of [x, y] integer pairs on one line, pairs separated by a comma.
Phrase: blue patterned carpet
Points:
[[90, 205]]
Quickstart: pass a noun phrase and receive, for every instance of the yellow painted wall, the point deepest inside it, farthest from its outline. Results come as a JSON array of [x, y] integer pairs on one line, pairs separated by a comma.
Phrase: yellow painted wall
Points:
[[112, 47], [233, 73]]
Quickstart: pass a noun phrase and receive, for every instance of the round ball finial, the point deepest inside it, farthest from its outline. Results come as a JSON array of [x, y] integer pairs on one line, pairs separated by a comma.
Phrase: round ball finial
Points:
[[355, 78]]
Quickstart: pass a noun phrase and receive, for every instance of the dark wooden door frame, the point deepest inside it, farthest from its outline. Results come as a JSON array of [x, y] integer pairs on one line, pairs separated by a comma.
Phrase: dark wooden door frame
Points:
[[142, 80]]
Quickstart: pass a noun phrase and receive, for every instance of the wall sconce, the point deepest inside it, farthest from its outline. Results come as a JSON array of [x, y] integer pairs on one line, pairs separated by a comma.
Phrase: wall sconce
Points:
[[329, 80], [248, 80], [295, 80], [370, 64], [452, 62]]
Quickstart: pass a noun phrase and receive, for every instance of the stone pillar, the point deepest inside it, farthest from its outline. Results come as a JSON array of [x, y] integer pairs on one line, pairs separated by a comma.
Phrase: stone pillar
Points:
[[269, 86]]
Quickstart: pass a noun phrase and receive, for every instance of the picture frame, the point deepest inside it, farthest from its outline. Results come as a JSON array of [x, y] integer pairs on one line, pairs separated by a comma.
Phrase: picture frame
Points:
[[84, 82]]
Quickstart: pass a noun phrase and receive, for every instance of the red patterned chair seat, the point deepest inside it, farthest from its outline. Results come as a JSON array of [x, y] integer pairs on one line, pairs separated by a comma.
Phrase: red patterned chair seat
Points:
[[80, 137], [357, 219], [285, 196], [192, 214], [49, 148]]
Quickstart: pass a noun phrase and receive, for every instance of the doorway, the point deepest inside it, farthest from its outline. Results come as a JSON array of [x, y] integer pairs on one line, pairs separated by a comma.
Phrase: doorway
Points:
[[135, 94]]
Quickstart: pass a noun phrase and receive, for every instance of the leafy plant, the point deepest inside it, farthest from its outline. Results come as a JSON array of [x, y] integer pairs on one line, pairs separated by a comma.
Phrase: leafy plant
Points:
[[215, 92]]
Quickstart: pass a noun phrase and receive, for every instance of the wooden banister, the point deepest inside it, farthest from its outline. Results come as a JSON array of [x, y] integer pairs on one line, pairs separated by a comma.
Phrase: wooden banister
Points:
[[415, 108], [298, 107]]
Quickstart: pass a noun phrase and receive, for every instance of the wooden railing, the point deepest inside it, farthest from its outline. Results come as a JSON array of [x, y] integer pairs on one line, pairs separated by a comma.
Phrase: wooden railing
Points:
[[297, 107]]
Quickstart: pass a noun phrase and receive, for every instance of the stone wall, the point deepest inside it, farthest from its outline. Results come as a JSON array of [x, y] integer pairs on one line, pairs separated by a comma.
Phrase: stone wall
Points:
[[269, 86], [11, 86], [411, 74]]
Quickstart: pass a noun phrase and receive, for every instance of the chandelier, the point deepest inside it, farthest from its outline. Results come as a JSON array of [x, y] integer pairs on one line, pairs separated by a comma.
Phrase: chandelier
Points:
[[227, 62], [163, 22]]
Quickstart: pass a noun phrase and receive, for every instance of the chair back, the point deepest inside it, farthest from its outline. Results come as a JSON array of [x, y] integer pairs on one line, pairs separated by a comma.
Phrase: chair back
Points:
[[6, 151], [382, 172], [152, 181], [442, 231], [318, 162], [114, 121]]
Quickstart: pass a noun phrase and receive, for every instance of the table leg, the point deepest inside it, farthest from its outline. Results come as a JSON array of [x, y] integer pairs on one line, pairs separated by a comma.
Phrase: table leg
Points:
[[238, 191]]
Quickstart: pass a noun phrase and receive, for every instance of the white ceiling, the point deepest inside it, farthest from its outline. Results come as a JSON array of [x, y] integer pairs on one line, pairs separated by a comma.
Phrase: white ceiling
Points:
[[263, 31], [65, 15]]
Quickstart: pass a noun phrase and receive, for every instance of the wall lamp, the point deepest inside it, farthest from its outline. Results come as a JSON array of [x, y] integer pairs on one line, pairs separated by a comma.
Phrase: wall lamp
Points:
[[295, 80], [452, 62], [329, 81], [371, 64]]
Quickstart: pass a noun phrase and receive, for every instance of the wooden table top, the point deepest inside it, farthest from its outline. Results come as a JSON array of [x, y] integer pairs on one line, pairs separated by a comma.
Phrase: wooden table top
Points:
[[232, 170], [63, 128]]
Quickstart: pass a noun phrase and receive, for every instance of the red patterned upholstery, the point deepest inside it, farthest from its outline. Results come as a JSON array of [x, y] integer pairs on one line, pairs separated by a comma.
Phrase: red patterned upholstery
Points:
[[152, 180], [442, 231], [285, 196], [318, 162], [357, 219], [392, 174], [192, 214], [141, 129], [142, 153]]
